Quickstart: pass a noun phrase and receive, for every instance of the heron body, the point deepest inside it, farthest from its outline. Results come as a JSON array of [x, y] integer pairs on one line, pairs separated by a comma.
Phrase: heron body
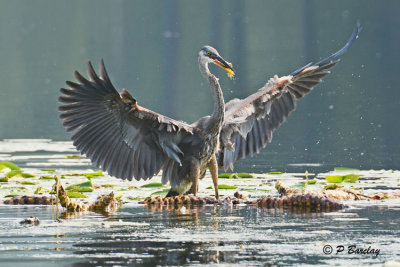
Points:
[[129, 141]]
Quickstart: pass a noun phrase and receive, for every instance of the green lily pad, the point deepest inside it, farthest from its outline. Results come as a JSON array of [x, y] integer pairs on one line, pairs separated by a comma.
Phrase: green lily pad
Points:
[[351, 178], [244, 175], [135, 198], [153, 185], [314, 181], [39, 190], [275, 172], [267, 183], [161, 193], [49, 170], [27, 182], [73, 188], [345, 169], [334, 178], [332, 186], [255, 190], [10, 165], [12, 195], [73, 194], [82, 187], [13, 173], [74, 157], [93, 175], [45, 177], [3, 180], [225, 186], [27, 175], [108, 185], [226, 175]]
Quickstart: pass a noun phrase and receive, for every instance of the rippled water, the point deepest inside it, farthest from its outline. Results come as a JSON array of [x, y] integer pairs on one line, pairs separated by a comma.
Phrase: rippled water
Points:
[[226, 235]]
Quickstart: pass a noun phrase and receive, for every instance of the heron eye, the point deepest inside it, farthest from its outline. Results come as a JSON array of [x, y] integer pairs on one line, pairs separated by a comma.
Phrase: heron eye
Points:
[[208, 53]]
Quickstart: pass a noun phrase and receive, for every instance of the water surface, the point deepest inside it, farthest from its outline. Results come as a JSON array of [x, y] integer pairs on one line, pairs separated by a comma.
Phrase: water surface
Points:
[[227, 235]]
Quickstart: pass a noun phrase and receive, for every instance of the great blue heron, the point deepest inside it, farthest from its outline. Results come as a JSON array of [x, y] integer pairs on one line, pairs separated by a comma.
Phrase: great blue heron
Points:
[[128, 140]]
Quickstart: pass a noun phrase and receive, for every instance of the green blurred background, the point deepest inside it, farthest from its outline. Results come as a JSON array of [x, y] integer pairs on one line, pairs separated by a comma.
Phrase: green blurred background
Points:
[[150, 48]]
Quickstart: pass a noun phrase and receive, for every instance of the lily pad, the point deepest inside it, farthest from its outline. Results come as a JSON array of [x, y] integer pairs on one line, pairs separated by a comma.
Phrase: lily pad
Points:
[[332, 186], [225, 186], [314, 181], [153, 185], [334, 178], [82, 187], [13, 173], [161, 193], [93, 175], [244, 175], [73, 194], [27, 175], [351, 178], [39, 190], [48, 170], [345, 169], [108, 185], [10, 165], [275, 172], [12, 195], [226, 175], [79, 189], [3, 180], [45, 177], [255, 190], [74, 157], [28, 182]]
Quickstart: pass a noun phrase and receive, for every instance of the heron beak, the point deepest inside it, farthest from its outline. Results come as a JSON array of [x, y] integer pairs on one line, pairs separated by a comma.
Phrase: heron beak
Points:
[[219, 61]]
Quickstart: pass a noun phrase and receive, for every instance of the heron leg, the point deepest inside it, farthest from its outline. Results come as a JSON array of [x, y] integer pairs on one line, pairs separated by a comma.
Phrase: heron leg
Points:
[[213, 166], [195, 174]]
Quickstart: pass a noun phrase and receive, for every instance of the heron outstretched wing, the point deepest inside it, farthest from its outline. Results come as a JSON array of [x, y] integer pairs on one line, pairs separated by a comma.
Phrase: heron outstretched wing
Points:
[[117, 134], [250, 122]]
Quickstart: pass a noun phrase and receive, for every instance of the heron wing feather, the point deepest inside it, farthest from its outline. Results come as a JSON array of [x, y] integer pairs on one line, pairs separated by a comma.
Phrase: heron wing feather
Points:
[[250, 122], [119, 136]]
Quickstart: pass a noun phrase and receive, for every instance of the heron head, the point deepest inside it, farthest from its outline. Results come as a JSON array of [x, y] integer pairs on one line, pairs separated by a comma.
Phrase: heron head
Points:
[[209, 54]]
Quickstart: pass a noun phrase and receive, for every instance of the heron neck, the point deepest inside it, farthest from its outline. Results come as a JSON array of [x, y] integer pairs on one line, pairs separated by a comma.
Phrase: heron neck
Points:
[[217, 117]]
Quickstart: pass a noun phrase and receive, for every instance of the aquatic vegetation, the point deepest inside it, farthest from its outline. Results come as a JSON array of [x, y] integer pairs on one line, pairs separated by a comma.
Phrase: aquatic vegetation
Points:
[[226, 175], [39, 190], [12, 195], [348, 178], [28, 182], [74, 157], [161, 193], [45, 177], [93, 175], [49, 170], [9, 165], [82, 187], [13, 173], [74, 194], [314, 181], [108, 185], [345, 169], [275, 172], [224, 186], [153, 185], [244, 175]]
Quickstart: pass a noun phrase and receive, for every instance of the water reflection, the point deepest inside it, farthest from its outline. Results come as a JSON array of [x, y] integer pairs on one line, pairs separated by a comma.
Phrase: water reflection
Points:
[[141, 237]]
